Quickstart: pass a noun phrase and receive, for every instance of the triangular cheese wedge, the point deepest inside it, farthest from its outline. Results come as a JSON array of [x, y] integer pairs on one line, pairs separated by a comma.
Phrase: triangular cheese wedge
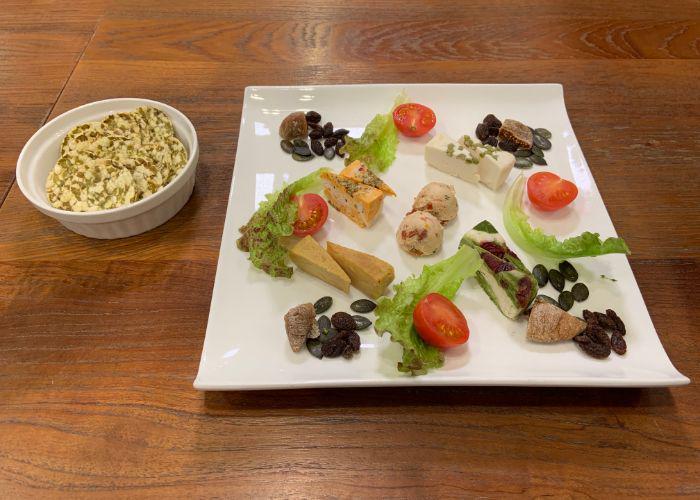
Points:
[[368, 273], [359, 172], [310, 257]]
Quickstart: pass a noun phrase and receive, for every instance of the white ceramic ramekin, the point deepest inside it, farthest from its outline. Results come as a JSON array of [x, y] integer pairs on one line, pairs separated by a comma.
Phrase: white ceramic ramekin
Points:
[[40, 154]]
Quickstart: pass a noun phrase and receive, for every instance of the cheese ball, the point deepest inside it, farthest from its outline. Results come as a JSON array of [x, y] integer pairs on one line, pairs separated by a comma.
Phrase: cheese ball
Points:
[[420, 233], [439, 199]]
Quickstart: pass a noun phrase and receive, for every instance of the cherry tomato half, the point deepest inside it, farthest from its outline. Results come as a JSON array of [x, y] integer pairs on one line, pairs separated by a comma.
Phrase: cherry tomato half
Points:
[[549, 192], [439, 322], [414, 120], [312, 214]]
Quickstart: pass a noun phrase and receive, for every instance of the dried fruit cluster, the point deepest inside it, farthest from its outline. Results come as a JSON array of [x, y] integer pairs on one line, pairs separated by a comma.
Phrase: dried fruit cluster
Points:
[[595, 342]]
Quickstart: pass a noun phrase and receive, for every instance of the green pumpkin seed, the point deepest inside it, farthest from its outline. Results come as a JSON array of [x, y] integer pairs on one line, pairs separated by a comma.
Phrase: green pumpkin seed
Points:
[[523, 163], [580, 292], [568, 271], [541, 142], [328, 336], [314, 347], [361, 322], [543, 132], [537, 151], [300, 143], [540, 274], [324, 324], [538, 160], [566, 300], [323, 304], [556, 279], [522, 153], [548, 299], [363, 306], [287, 146], [299, 157]]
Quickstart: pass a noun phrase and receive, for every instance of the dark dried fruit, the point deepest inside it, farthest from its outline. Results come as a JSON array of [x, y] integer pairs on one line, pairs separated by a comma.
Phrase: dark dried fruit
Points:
[[583, 338], [491, 121], [605, 321], [343, 321], [537, 160], [508, 146], [580, 292], [541, 142], [595, 349], [540, 274], [329, 153], [522, 153], [352, 344], [316, 126], [287, 146], [317, 147], [589, 317], [566, 300], [334, 347], [328, 129], [482, 131], [330, 142], [597, 334], [313, 117], [361, 322], [619, 325], [363, 306], [315, 134], [323, 304], [324, 324], [523, 163], [543, 132], [341, 132], [537, 151], [299, 157], [315, 348], [491, 141], [618, 344], [556, 279], [568, 271]]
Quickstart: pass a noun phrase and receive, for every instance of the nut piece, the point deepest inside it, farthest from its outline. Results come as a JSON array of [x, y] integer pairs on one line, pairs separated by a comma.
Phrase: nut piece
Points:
[[293, 126], [549, 324], [512, 131], [300, 324]]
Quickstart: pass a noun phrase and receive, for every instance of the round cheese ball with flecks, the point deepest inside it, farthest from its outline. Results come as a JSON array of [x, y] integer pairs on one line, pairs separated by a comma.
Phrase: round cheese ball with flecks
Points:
[[420, 233]]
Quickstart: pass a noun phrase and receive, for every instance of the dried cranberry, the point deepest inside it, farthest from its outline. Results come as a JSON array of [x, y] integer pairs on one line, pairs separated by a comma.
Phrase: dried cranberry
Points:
[[494, 248], [524, 291], [495, 264]]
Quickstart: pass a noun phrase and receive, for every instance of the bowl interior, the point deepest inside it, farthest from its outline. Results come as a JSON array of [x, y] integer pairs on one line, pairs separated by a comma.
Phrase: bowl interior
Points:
[[41, 151]]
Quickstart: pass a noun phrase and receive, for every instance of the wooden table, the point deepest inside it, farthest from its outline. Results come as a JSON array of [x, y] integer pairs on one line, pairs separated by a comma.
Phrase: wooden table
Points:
[[100, 340]]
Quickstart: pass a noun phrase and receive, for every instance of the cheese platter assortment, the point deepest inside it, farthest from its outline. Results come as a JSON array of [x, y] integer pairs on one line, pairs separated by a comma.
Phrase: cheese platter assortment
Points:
[[427, 242]]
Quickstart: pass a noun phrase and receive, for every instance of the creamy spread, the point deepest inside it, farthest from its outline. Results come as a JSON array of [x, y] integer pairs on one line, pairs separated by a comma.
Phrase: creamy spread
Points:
[[117, 161]]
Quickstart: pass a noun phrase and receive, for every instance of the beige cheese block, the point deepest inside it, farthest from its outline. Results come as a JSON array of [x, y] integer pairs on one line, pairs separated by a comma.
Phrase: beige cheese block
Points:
[[368, 273], [310, 257]]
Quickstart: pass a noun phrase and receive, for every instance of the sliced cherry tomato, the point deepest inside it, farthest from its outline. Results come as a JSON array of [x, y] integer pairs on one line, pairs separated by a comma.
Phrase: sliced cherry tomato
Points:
[[549, 192], [414, 120], [439, 322], [312, 214]]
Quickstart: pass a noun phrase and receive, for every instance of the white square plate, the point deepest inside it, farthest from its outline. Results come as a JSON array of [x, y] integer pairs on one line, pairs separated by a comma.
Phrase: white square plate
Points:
[[246, 346]]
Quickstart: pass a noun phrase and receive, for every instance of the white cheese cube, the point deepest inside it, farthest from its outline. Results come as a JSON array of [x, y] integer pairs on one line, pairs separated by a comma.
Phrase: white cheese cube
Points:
[[494, 165], [452, 158]]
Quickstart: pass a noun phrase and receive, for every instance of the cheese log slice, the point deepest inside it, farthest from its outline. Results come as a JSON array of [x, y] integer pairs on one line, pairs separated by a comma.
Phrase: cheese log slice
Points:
[[359, 172], [310, 257], [452, 158], [359, 202], [368, 274], [494, 165]]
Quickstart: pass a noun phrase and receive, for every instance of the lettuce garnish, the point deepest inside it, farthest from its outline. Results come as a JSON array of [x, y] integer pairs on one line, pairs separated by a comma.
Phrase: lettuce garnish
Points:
[[535, 241], [395, 315], [273, 220], [376, 148]]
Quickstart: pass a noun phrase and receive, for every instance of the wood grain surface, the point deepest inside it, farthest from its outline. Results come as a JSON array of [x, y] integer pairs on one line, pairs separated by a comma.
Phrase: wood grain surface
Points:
[[100, 340]]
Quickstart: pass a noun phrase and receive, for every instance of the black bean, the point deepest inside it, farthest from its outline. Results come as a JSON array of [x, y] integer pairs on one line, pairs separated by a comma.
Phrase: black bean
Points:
[[541, 275], [580, 292], [568, 271], [556, 279], [313, 117], [363, 306], [566, 300]]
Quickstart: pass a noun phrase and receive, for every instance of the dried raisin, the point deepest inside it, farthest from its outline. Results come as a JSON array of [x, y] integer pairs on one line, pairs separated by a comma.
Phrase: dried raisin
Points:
[[343, 321], [618, 344]]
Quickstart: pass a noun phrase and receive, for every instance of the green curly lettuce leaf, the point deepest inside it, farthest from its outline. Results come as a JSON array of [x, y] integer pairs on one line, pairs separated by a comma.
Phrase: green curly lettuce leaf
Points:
[[535, 241], [395, 315], [274, 219], [376, 148]]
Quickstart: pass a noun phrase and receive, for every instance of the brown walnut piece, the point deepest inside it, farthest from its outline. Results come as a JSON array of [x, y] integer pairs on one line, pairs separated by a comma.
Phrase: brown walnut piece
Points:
[[294, 126]]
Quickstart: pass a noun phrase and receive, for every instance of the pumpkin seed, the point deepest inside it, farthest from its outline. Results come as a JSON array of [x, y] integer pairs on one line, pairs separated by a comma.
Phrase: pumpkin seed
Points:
[[580, 292], [328, 336], [556, 279], [566, 300], [543, 132], [299, 157], [314, 347], [541, 275], [323, 304], [302, 150], [324, 324], [299, 143], [363, 306], [537, 160], [537, 151], [287, 146], [548, 299], [541, 142], [523, 163], [329, 153], [568, 271], [522, 153], [361, 322]]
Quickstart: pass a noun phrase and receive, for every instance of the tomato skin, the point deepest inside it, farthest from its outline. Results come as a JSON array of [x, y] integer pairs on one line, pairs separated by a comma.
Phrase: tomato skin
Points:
[[312, 214], [413, 119], [439, 322], [549, 192]]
